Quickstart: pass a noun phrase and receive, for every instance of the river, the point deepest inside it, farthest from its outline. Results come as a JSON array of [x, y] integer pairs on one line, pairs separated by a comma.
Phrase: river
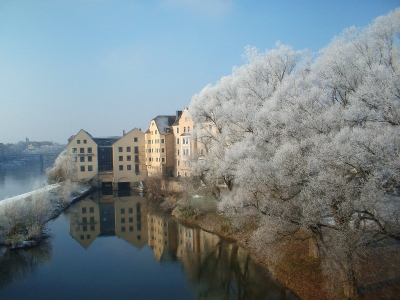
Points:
[[114, 247]]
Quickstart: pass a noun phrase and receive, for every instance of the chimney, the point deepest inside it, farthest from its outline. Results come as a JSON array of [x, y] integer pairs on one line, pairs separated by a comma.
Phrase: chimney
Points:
[[123, 132], [178, 114]]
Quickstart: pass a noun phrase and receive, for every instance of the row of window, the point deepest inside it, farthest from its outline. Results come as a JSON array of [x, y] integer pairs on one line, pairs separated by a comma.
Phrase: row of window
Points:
[[128, 158], [185, 141], [128, 149], [157, 150], [82, 159], [184, 129], [156, 141], [185, 152], [82, 150], [184, 174], [79, 141], [129, 167], [89, 168], [186, 163], [158, 159]]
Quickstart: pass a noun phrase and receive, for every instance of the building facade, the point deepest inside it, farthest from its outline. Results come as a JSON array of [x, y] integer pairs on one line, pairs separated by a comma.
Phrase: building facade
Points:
[[159, 147], [184, 144]]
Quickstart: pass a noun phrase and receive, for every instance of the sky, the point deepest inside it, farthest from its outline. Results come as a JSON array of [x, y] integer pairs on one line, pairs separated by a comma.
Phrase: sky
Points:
[[111, 65]]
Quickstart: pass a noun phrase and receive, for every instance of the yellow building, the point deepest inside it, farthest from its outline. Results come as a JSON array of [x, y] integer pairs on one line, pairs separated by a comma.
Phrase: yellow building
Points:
[[159, 147], [162, 236], [84, 150], [85, 222], [129, 163], [184, 144], [131, 219], [111, 163]]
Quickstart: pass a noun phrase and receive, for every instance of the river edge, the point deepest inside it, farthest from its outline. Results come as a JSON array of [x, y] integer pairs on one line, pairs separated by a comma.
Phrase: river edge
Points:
[[298, 272], [52, 198]]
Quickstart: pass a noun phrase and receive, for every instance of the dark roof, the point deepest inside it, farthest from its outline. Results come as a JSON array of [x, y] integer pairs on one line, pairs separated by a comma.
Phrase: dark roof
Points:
[[106, 141]]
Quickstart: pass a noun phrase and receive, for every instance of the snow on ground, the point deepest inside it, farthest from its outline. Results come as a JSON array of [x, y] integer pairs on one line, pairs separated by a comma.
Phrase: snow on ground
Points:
[[46, 189]]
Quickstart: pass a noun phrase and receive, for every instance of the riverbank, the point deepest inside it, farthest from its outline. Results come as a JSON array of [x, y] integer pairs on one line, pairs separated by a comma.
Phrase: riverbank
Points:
[[297, 271], [23, 217]]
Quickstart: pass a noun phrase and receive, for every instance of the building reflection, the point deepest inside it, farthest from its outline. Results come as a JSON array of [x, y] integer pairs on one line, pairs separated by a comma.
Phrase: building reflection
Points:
[[216, 268], [123, 215]]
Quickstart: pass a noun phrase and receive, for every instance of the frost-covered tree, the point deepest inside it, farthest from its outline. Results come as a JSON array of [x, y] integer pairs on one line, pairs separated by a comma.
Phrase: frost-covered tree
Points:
[[312, 145], [64, 168]]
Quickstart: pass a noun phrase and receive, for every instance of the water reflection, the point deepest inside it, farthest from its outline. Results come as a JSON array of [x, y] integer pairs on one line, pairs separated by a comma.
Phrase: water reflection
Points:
[[16, 265], [215, 268]]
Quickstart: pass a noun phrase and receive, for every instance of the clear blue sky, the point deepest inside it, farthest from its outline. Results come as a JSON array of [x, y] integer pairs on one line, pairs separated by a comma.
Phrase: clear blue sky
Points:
[[109, 65]]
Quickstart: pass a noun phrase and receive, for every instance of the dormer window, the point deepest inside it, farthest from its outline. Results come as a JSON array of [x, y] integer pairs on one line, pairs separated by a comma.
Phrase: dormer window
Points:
[[167, 130]]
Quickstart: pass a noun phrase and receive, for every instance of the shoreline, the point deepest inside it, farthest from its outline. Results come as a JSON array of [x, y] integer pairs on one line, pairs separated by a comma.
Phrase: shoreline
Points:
[[294, 272]]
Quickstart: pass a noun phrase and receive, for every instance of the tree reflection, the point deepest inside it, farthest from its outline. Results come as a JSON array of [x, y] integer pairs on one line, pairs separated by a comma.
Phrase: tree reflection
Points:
[[16, 265], [221, 270]]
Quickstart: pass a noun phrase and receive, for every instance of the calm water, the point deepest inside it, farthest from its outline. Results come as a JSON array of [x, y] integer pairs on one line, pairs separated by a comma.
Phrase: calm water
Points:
[[19, 179], [113, 247]]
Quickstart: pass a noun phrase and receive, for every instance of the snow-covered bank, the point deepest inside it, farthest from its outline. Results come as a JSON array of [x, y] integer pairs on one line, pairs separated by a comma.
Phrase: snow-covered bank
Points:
[[23, 217]]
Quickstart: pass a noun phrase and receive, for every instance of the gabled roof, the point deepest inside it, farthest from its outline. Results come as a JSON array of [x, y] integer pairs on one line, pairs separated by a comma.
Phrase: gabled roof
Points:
[[164, 122]]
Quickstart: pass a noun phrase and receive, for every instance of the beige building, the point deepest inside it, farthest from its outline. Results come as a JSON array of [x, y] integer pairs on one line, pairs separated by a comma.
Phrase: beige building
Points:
[[85, 222], [159, 147], [184, 144], [131, 219], [113, 162], [129, 165], [84, 150]]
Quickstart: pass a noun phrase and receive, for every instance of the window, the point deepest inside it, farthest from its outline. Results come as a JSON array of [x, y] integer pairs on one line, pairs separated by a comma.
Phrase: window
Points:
[[89, 159], [178, 152], [148, 141], [179, 163], [120, 158], [167, 130], [90, 168], [179, 174], [82, 159], [162, 150], [177, 140], [91, 219], [128, 167], [78, 141], [188, 128], [121, 167], [123, 229], [119, 149], [131, 228], [84, 210], [136, 168], [89, 150], [136, 150], [136, 158], [128, 158], [91, 227], [177, 130], [91, 209], [85, 141], [82, 168], [128, 149], [122, 220], [84, 228], [130, 210], [184, 129], [122, 210], [84, 219], [162, 141], [81, 150], [185, 174], [135, 139], [130, 220], [155, 132], [163, 159], [74, 150]]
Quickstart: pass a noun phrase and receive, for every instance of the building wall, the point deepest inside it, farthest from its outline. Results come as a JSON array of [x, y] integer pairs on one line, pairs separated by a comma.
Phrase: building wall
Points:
[[84, 149], [129, 159], [184, 145], [159, 149]]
